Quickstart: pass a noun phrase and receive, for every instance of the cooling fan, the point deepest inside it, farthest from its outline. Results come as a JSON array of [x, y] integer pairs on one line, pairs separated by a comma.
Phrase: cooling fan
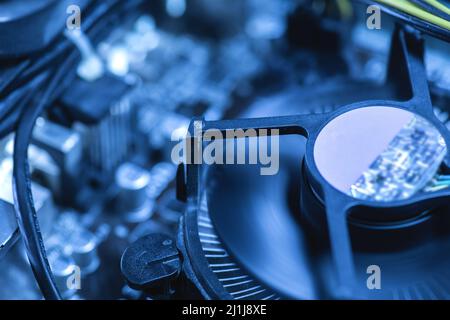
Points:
[[370, 188]]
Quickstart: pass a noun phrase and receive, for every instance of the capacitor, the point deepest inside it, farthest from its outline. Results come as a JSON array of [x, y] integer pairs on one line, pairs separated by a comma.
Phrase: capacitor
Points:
[[132, 200], [84, 251], [77, 241]]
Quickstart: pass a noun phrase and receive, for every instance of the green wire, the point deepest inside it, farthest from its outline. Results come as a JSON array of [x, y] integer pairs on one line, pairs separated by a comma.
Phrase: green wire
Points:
[[409, 8], [438, 5]]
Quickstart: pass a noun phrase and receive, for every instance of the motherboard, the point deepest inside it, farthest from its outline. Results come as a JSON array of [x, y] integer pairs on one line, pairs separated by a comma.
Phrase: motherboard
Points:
[[224, 149]]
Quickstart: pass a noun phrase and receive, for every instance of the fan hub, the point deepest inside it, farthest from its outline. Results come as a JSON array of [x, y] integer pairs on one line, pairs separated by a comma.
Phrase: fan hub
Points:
[[379, 153]]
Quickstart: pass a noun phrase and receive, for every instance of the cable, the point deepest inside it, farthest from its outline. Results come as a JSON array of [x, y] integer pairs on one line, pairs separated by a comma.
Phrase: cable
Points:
[[438, 5], [409, 8], [24, 205], [12, 106], [417, 23], [10, 74], [9, 124], [431, 9]]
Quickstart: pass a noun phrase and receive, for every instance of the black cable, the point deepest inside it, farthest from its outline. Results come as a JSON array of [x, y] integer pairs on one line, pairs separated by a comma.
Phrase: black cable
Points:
[[12, 106], [11, 73], [9, 124], [24, 205]]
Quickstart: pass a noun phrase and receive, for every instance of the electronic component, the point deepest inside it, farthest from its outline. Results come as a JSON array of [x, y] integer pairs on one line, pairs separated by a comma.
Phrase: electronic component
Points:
[[132, 199], [61, 149], [43, 203], [90, 102], [73, 246], [103, 117], [63, 267]]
